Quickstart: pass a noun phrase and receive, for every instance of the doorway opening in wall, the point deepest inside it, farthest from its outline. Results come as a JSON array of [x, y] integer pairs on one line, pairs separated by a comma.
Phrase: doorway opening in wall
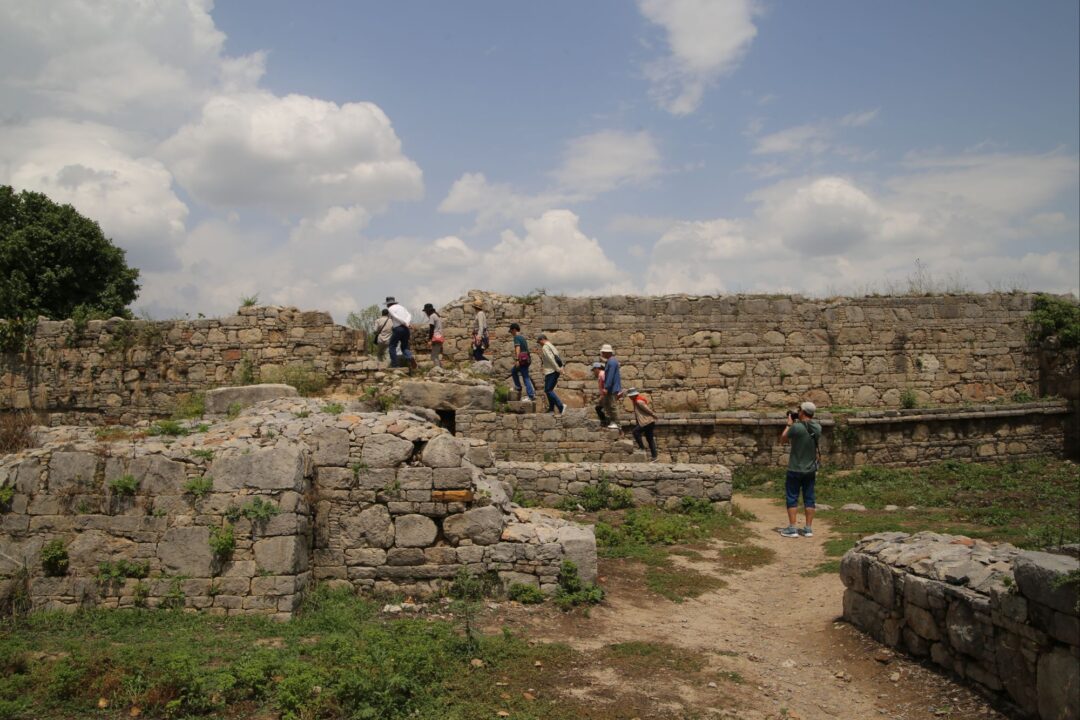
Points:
[[448, 420]]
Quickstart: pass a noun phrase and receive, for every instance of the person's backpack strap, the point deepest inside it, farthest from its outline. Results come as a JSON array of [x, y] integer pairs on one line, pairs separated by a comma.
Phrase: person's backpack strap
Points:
[[817, 445]]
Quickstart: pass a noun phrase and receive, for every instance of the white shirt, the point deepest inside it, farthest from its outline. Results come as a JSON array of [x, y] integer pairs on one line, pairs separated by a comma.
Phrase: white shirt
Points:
[[400, 315]]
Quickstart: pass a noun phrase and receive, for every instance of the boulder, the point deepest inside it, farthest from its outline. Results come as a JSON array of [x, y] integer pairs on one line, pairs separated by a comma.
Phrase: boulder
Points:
[[447, 396], [483, 526], [370, 528], [414, 531], [381, 451], [442, 451], [218, 400]]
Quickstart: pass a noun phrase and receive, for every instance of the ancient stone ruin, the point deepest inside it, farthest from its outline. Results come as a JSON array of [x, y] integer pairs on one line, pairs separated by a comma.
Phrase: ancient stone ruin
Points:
[[243, 515], [1005, 620]]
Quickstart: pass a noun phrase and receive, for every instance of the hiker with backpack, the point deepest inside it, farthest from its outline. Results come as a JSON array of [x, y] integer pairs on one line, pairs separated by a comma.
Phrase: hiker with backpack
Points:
[[804, 435], [522, 359], [552, 364]]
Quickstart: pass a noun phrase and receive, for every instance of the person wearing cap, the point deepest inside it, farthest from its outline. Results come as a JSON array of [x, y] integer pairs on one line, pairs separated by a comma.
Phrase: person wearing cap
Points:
[[435, 334], [551, 363], [522, 360], [612, 389], [598, 373], [399, 334], [480, 332], [644, 421], [803, 432]]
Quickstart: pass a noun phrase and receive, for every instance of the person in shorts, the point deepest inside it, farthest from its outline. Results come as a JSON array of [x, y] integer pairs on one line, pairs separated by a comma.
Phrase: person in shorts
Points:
[[803, 433]]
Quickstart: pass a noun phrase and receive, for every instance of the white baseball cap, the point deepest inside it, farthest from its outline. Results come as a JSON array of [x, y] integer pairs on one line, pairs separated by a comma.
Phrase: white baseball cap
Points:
[[606, 348]]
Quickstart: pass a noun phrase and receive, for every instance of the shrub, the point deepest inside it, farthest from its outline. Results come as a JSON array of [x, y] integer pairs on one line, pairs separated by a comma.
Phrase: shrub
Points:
[[112, 571], [234, 410], [1055, 317], [15, 431], [54, 558], [249, 300], [199, 486], [170, 428], [572, 591], [203, 454], [525, 594], [222, 541], [602, 496], [1022, 396], [124, 485], [333, 408], [908, 399], [502, 393], [190, 406]]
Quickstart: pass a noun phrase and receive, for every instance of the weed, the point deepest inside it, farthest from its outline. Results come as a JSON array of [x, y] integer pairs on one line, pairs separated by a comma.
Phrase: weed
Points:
[[846, 436], [302, 414], [189, 406], [234, 410], [358, 468], [908, 399], [124, 485], [387, 402], [170, 428], [109, 572], [520, 499], [532, 297], [467, 590], [259, 510], [203, 454], [174, 599], [7, 494], [54, 558], [502, 393], [525, 594], [16, 431], [829, 567], [305, 378], [199, 486], [333, 408], [602, 496], [201, 428], [1022, 396], [140, 593], [249, 300], [245, 371], [572, 591], [222, 542]]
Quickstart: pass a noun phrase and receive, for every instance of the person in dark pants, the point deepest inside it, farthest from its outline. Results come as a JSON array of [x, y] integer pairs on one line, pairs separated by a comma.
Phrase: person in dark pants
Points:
[[644, 421], [598, 373], [804, 434], [551, 363], [520, 372], [399, 335], [612, 389]]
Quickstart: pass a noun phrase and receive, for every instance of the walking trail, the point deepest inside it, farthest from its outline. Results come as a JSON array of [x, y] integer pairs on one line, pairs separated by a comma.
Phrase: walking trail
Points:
[[775, 644]]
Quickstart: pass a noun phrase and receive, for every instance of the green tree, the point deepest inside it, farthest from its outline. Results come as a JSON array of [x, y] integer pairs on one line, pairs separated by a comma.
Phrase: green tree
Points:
[[55, 262], [365, 320]]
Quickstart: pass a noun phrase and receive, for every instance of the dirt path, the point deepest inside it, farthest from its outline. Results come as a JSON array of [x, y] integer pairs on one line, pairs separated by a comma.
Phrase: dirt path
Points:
[[773, 633]]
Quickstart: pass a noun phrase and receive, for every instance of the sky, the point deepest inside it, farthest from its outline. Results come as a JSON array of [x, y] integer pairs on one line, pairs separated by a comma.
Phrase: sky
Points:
[[328, 154]]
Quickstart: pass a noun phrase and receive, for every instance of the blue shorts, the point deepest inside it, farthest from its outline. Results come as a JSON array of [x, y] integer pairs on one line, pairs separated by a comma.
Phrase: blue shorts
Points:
[[796, 482]]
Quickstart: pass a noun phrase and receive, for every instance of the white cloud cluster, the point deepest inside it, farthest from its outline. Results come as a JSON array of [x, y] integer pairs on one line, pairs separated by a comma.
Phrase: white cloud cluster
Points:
[[707, 39], [959, 216]]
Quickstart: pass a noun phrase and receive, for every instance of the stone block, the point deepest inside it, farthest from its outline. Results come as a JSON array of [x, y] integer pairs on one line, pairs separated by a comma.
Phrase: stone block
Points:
[[921, 621], [218, 400], [447, 396], [414, 478], [405, 556], [186, 551], [452, 496], [370, 528], [459, 478], [1058, 685], [482, 526], [285, 555], [411, 531], [1039, 574], [385, 451], [370, 557], [334, 478], [71, 469], [579, 546], [331, 447], [279, 467], [442, 451]]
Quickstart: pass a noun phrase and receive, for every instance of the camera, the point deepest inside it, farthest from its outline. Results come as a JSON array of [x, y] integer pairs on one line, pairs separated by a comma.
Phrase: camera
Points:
[[793, 414]]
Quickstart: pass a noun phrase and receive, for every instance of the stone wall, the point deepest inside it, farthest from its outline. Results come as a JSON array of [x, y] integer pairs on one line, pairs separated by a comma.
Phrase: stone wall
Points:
[[649, 484], [376, 500], [894, 437], [1004, 620], [123, 370], [747, 352]]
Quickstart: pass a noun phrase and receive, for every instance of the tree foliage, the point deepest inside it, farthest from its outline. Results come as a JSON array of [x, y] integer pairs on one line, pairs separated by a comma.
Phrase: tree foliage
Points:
[[365, 320], [1055, 317], [55, 262]]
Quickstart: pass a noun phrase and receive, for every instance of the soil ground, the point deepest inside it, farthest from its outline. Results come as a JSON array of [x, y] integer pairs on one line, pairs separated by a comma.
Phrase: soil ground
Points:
[[770, 644]]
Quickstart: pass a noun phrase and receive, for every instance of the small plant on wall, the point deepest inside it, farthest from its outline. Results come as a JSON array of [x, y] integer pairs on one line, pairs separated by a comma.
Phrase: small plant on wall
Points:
[[54, 558]]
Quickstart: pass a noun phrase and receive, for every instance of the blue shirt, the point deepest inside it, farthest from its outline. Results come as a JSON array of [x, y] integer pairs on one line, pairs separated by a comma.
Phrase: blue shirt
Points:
[[612, 376]]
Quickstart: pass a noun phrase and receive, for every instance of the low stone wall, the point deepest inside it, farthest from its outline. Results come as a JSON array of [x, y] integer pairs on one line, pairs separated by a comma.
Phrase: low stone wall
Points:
[[892, 438], [650, 484], [381, 501], [1002, 619]]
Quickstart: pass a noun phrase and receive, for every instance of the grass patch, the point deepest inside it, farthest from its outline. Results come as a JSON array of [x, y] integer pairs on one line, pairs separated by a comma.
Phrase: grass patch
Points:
[[168, 428], [338, 659], [1031, 503], [829, 567], [189, 406], [652, 656], [650, 536]]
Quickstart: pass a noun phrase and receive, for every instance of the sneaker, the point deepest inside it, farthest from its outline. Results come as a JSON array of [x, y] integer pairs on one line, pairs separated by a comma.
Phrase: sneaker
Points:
[[790, 531], [807, 531], [613, 426], [655, 459]]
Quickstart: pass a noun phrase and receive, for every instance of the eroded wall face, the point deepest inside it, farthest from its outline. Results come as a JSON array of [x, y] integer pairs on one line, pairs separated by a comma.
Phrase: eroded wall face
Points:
[[748, 352]]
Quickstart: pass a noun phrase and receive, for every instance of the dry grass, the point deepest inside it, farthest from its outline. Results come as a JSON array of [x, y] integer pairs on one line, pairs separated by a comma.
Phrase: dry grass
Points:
[[16, 431]]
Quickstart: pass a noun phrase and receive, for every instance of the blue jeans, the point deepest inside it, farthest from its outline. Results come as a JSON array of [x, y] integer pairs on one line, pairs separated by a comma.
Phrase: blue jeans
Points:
[[520, 375], [796, 482], [549, 389], [399, 336]]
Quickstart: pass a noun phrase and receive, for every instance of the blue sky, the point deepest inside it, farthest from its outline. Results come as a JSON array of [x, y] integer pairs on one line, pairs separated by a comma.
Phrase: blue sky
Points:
[[327, 154]]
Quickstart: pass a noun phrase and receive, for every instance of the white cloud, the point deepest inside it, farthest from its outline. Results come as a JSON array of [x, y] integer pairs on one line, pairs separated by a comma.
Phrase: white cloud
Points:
[[102, 173], [826, 216], [590, 166], [292, 153], [694, 257], [810, 138], [600, 162], [707, 38]]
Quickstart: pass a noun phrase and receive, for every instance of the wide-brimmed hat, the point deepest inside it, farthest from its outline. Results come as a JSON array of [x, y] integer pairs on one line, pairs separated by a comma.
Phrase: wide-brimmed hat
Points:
[[429, 306], [598, 366], [632, 392], [390, 300], [605, 348]]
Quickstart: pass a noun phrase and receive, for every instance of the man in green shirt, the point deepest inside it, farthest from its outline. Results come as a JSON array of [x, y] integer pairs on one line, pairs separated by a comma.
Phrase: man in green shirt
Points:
[[804, 434]]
